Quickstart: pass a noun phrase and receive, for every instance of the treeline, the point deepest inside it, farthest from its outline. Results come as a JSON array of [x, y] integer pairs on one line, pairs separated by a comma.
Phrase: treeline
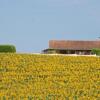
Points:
[[96, 51], [7, 49]]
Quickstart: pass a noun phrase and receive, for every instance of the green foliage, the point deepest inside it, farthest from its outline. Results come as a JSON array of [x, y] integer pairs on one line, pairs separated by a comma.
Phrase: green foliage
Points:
[[96, 51], [7, 49]]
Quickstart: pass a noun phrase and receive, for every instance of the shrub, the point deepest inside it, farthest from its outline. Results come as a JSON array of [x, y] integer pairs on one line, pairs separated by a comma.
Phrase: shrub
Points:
[[96, 51], [7, 49]]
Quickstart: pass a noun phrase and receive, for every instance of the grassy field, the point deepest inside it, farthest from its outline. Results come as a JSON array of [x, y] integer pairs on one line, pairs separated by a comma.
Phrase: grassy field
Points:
[[44, 77]]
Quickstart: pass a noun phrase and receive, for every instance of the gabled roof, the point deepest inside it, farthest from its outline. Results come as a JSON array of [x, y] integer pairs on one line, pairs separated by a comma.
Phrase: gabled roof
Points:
[[74, 44]]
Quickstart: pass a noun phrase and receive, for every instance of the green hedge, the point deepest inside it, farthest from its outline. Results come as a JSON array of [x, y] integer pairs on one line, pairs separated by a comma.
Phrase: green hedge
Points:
[[96, 51], [7, 49]]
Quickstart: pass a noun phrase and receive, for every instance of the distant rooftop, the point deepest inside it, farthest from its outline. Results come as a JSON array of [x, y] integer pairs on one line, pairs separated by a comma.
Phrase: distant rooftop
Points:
[[74, 44]]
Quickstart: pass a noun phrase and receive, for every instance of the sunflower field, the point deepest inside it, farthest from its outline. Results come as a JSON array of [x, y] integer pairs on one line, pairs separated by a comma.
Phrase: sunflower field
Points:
[[45, 77]]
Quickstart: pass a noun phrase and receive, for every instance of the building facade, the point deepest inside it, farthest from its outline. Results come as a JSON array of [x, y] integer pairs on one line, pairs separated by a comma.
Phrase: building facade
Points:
[[72, 46]]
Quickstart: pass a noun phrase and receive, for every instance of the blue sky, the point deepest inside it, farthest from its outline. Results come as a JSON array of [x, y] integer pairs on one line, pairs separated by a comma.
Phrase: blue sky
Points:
[[30, 24]]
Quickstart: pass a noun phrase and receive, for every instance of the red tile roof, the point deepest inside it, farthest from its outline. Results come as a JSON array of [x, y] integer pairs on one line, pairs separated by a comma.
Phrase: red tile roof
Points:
[[74, 45]]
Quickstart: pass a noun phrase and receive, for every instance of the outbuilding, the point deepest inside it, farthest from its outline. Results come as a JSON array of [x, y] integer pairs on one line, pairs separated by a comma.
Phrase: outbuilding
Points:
[[72, 46]]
